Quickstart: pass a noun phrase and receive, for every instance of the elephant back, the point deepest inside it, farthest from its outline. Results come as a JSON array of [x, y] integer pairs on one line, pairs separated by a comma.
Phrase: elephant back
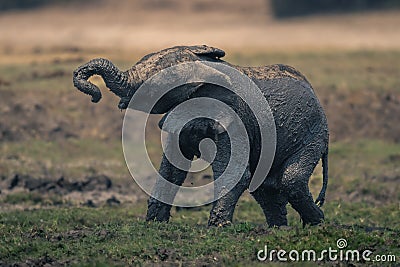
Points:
[[275, 71], [153, 63]]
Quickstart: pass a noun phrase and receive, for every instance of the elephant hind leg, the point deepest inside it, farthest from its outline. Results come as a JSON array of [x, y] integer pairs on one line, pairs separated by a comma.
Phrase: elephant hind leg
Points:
[[273, 204], [309, 212], [297, 172]]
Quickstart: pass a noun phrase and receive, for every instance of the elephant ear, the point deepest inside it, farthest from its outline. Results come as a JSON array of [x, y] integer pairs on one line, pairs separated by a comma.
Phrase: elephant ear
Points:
[[221, 123], [175, 97], [207, 51]]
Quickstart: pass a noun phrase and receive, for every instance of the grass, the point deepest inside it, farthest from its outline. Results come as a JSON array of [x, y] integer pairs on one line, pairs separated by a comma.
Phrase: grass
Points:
[[69, 158], [120, 236], [371, 171], [56, 232], [31, 199], [38, 77]]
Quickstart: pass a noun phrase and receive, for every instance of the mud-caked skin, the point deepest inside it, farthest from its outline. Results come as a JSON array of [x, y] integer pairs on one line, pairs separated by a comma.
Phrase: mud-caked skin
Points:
[[301, 130]]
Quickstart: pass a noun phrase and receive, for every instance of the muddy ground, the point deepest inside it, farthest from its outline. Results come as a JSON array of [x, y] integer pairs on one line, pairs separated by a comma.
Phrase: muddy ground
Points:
[[93, 191]]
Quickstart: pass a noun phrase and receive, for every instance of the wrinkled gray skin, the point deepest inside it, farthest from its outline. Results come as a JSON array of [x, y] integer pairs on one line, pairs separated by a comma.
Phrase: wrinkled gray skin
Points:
[[301, 129]]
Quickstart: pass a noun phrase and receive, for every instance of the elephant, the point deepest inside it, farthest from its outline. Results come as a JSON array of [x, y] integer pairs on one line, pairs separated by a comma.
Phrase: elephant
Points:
[[302, 134]]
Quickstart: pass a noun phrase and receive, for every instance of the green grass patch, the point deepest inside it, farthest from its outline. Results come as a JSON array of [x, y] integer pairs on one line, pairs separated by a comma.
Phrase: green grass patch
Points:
[[50, 78], [32, 199], [120, 235], [366, 170], [69, 157]]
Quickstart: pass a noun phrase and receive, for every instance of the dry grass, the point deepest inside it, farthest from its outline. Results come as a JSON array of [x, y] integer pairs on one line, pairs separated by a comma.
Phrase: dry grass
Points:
[[235, 25]]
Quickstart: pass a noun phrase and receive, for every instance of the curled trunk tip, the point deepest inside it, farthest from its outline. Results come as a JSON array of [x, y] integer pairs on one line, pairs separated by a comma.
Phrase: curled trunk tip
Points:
[[114, 79], [82, 84]]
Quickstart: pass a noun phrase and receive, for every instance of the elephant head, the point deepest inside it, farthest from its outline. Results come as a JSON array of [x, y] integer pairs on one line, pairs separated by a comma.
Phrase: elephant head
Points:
[[125, 83]]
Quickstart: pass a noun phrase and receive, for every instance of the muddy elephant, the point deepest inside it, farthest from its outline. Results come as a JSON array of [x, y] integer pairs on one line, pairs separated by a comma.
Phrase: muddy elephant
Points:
[[301, 131]]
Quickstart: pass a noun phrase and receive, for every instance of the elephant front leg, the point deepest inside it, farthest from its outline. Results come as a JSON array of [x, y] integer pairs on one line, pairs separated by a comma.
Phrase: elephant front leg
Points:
[[223, 208], [222, 211], [165, 189]]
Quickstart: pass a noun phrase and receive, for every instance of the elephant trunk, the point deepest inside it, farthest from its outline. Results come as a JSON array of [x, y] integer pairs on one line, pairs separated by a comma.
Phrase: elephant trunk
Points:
[[114, 79]]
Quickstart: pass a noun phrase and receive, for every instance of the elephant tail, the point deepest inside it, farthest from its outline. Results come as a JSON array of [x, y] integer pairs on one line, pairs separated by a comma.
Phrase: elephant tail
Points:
[[321, 197]]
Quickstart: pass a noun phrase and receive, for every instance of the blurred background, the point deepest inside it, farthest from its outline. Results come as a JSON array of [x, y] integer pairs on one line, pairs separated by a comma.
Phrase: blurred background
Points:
[[59, 149], [153, 24]]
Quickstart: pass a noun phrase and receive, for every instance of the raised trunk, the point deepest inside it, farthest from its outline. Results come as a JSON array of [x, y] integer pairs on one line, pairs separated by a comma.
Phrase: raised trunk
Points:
[[114, 79], [125, 84]]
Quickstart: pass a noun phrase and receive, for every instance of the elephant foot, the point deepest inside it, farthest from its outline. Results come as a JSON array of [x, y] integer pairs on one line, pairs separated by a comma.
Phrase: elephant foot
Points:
[[277, 220], [220, 218], [276, 215], [309, 212], [273, 204], [218, 223], [158, 211]]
